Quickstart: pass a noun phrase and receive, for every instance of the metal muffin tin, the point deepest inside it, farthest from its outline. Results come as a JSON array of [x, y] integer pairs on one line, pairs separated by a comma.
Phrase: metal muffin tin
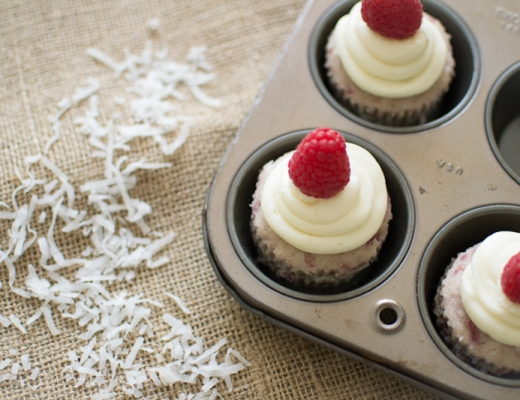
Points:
[[452, 182]]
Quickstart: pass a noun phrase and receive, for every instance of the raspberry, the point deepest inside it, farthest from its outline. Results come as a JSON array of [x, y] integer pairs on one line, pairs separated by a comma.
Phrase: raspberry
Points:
[[396, 19], [510, 279], [320, 166]]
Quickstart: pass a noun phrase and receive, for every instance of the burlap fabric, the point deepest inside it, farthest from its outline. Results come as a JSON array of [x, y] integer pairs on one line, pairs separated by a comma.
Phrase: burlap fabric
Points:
[[42, 59]]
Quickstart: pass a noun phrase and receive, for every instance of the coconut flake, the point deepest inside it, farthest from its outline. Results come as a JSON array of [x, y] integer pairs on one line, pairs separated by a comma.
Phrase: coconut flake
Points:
[[4, 321], [153, 24], [104, 395], [133, 353], [16, 322], [199, 94], [179, 302], [26, 363], [15, 368], [239, 356], [7, 215], [35, 373], [82, 93], [209, 385], [211, 351], [87, 350], [53, 248], [87, 371], [6, 377], [63, 106], [4, 364], [62, 177], [104, 59], [49, 321], [170, 148], [56, 135]]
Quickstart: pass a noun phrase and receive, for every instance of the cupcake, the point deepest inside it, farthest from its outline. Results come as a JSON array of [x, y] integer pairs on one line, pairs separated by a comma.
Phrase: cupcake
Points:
[[478, 305], [320, 214], [390, 64]]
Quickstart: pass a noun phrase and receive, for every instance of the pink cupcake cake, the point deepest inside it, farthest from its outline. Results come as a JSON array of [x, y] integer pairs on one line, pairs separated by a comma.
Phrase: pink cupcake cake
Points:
[[320, 214], [478, 304], [389, 62]]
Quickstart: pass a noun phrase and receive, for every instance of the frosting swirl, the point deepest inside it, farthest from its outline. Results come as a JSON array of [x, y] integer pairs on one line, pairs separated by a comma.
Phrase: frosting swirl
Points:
[[338, 224], [481, 291], [386, 67]]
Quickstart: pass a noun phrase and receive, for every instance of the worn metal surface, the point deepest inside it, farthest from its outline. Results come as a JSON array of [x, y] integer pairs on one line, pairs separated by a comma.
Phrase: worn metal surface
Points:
[[450, 168]]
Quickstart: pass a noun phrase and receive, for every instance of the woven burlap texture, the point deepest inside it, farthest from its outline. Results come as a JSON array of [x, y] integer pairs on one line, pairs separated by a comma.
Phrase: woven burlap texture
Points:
[[42, 59]]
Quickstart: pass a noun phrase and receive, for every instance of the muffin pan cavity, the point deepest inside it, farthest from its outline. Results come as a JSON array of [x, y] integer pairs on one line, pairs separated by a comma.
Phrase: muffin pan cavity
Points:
[[502, 117], [465, 52], [392, 253], [459, 234]]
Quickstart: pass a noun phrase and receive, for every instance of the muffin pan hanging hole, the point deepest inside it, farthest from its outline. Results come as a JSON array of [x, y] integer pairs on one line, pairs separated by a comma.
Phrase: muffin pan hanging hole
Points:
[[502, 117], [459, 234], [465, 52], [394, 248], [389, 315]]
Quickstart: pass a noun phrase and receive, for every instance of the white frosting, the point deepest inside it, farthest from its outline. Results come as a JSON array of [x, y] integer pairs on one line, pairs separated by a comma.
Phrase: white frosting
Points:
[[339, 224], [387, 67], [481, 291]]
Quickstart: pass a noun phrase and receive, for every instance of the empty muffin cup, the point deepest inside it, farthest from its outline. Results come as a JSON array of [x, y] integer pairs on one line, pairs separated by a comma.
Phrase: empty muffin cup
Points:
[[459, 234], [394, 249], [502, 116], [465, 52]]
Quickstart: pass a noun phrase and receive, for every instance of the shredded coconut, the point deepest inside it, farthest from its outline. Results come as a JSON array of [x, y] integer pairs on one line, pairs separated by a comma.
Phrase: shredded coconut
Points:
[[35, 373], [4, 321], [15, 368], [16, 322], [179, 302], [6, 377], [153, 24], [114, 325], [5, 363], [25, 362]]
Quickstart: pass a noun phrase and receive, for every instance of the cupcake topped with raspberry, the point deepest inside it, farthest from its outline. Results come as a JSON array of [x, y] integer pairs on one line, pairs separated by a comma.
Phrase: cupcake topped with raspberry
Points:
[[490, 288], [390, 62], [478, 304], [320, 213]]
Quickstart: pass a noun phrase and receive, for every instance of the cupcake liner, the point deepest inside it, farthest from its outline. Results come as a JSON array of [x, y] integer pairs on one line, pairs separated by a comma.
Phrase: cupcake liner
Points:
[[410, 111], [284, 271]]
